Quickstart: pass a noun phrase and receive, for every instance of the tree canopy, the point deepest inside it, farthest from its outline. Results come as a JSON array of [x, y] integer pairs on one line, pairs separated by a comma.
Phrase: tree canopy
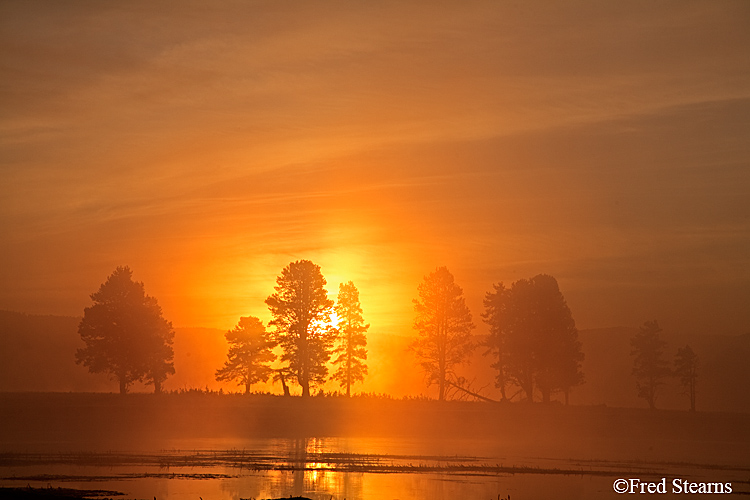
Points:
[[125, 334], [533, 337], [352, 338], [301, 314], [444, 325], [250, 351]]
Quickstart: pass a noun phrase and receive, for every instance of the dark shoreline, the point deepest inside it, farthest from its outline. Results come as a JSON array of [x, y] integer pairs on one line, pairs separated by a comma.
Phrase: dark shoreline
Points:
[[29, 493]]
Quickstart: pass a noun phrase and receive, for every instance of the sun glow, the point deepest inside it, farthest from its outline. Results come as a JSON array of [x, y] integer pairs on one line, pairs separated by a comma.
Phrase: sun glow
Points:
[[329, 323], [230, 275]]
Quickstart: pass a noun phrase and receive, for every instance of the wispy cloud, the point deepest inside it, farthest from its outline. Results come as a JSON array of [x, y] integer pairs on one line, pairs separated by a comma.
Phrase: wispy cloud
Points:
[[495, 138]]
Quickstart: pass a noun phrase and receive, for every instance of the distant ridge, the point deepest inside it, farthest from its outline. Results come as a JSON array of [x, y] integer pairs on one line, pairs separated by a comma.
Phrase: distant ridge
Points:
[[37, 354]]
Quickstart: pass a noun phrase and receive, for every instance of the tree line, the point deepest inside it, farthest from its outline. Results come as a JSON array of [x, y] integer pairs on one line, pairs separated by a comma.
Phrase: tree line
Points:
[[127, 337], [532, 342], [650, 369]]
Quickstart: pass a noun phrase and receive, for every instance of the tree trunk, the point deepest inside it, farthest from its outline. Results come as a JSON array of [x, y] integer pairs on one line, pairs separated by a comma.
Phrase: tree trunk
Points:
[[472, 393], [157, 386], [305, 383], [349, 365], [546, 396], [692, 395], [283, 384], [123, 385], [441, 364], [501, 382], [529, 389], [304, 371], [651, 399]]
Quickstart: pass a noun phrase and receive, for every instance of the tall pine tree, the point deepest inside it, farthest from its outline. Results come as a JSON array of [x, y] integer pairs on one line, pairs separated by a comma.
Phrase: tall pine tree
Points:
[[301, 313], [351, 352], [649, 368], [250, 351], [444, 325], [686, 367]]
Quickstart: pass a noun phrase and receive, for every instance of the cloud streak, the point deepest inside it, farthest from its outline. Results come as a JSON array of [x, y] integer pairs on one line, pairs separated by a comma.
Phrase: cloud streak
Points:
[[597, 142]]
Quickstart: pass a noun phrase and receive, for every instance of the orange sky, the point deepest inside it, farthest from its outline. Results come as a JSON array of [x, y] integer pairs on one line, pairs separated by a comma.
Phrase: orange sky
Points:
[[207, 145]]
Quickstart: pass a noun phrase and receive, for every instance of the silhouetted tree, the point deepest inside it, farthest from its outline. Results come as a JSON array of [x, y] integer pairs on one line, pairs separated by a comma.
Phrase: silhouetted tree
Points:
[[495, 304], [649, 368], [352, 337], [125, 334], [444, 325], [301, 314], [250, 351], [686, 367], [533, 337]]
